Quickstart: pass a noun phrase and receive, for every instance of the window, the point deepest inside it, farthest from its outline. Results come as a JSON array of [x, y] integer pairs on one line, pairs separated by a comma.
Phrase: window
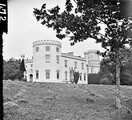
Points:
[[84, 76], [57, 49], [47, 72], [47, 48], [57, 59], [37, 74], [31, 70], [65, 63], [89, 63], [98, 56], [91, 70], [80, 76], [75, 65], [36, 49], [58, 74], [66, 75], [47, 58], [82, 66]]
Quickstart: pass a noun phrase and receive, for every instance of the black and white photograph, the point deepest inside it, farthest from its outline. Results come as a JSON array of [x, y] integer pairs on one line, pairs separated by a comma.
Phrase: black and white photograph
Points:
[[66, 59]]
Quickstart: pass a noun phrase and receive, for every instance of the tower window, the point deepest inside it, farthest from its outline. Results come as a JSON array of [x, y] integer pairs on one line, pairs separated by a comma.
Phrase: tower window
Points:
[[47, 58], [57, 59], [57, 49], [36, 49], [47, 48]]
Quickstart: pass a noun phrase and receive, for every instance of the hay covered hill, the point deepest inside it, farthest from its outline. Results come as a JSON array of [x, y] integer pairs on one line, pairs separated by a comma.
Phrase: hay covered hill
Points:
[[53, 101]]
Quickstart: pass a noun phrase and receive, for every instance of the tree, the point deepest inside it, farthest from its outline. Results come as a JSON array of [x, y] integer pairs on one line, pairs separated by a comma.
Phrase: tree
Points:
[[11, 69], [22, 68], [76, 77], [107, 68], [84, 20]]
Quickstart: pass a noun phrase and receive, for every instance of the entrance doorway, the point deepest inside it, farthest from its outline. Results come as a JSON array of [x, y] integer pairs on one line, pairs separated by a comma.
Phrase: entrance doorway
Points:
[[31, 77]]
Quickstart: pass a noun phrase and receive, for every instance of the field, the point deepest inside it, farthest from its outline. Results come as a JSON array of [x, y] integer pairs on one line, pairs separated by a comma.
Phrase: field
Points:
[[62, 101]]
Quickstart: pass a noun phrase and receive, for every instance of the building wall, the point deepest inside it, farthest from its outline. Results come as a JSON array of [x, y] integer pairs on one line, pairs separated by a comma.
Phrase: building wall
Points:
[[29, 69], [71, 65], [46, 61]]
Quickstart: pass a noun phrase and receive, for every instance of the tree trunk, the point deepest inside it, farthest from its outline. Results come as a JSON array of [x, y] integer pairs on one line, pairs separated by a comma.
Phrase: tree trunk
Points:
[[118, 96]]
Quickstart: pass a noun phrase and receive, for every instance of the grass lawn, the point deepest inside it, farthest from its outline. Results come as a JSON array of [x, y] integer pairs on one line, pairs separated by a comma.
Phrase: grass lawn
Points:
[[62, 101]]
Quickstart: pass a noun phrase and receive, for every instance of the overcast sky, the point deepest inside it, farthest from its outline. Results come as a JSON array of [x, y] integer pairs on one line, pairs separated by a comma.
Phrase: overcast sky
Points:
[[23, 30]]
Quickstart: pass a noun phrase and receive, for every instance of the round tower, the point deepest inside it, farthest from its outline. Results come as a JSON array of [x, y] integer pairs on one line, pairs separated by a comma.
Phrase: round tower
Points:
[[93, 61], [46, 61]]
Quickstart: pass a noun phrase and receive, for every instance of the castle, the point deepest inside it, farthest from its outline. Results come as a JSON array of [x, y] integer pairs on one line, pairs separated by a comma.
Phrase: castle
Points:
[[50, 65]]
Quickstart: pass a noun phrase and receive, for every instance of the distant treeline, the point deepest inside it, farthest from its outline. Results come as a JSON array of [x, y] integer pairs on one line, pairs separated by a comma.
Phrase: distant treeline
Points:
[[11, 69], [108, 70]]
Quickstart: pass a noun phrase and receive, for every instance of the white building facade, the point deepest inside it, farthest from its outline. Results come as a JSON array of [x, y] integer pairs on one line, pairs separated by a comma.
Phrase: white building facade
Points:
[[50, 65]]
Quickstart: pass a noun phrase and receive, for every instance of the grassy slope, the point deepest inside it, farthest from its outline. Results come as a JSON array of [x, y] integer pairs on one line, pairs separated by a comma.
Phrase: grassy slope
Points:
[[52, 101]]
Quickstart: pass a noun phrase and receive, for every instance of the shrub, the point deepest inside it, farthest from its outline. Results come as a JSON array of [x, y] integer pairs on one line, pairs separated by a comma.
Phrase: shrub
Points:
[[104, 81], [93, 79], [76, 77]]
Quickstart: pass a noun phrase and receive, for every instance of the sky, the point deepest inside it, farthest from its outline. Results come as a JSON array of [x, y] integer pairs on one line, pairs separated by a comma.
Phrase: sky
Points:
[[24, 29]]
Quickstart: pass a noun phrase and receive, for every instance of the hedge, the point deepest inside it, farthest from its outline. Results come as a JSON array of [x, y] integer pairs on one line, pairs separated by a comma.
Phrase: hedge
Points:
[[93, 79]]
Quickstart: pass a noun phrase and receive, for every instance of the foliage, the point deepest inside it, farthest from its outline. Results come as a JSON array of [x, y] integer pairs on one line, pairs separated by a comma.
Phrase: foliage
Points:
[[107, 68], [83, 21], [104, 81], [22, 66], [93, 79], [11, 69], [76, 77]]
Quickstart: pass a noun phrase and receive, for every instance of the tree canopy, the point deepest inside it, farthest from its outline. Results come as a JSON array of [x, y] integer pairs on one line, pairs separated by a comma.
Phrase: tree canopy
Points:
[[108, 69], [83, 21], [11, 69]]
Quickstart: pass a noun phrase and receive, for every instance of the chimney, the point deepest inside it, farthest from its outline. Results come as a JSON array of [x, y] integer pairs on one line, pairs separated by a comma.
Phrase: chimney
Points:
[[70, 53]]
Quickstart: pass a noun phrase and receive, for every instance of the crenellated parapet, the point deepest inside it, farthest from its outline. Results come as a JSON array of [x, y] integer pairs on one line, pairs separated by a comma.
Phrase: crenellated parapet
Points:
[[90, 51], [47, 42]]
